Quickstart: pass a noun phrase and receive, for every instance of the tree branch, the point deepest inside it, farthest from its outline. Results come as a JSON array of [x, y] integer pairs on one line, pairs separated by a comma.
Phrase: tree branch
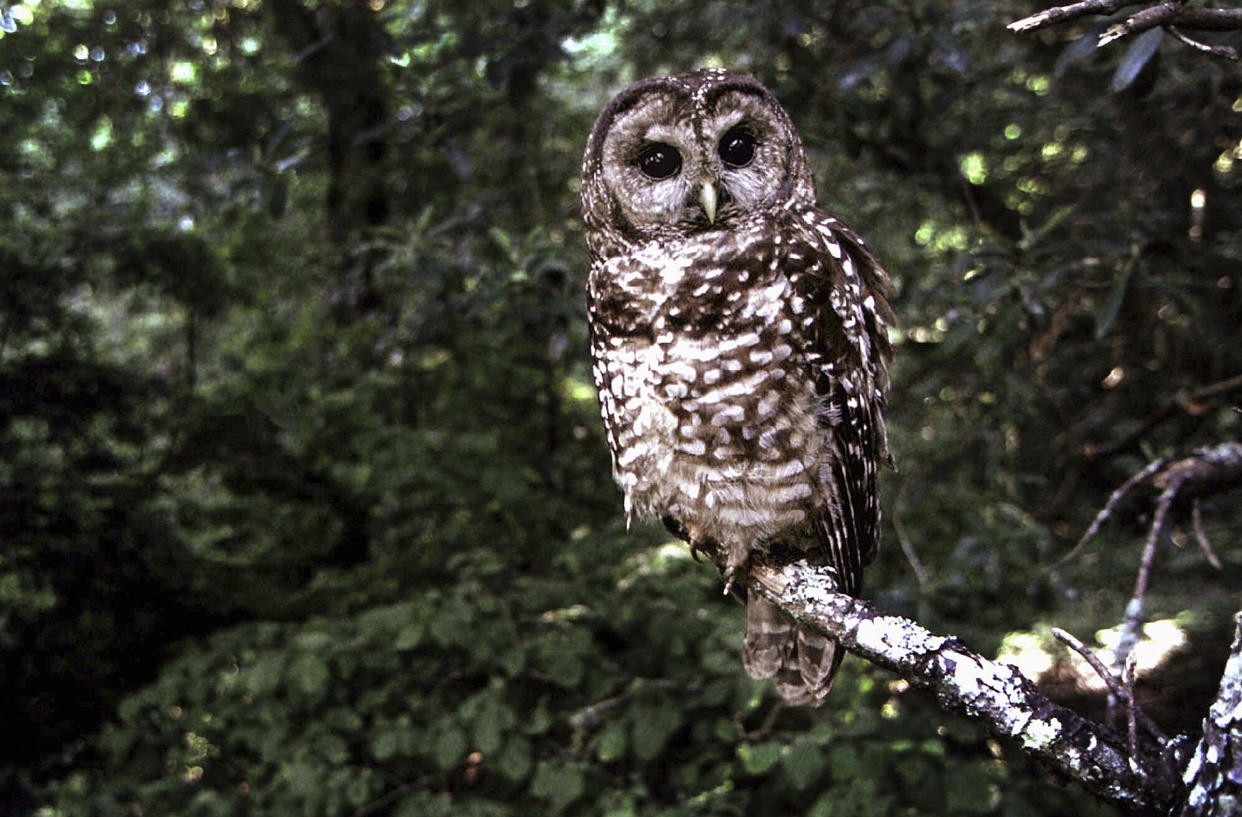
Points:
[[1193, 403], [1166, 13], [1213, 778], [962, 680], [1060, 14], [1172, 15], [1158, 15], [1140, 771], [1115, 685]]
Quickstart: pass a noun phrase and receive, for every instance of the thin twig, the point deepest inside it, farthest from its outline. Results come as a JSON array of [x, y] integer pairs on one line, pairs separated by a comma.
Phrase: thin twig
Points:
[[1114, 685], [1213, 389], [590, 715], [1107, 511], [1226, 51], [920, 572], [1190, 402], [1196, 519], [1059, 14], [765, 728], [389, 797], [1150, 17], [1132, 625], [1164, 13]]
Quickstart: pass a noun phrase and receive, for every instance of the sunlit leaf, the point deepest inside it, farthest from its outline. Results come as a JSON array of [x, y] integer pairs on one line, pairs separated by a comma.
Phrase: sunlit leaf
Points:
[[759, 758]]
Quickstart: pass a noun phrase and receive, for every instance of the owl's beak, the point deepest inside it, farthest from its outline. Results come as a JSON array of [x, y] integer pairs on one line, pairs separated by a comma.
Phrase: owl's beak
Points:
[[707, 197]]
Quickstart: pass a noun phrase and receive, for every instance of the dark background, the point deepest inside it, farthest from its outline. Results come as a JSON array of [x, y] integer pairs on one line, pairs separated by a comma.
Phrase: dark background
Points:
[[304, 500]]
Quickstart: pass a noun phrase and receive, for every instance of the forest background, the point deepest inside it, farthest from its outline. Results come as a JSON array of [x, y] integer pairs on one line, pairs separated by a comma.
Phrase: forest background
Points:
[[305, 502]]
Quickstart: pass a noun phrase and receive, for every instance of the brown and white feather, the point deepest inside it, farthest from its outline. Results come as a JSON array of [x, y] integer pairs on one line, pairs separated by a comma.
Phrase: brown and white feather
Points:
[[740, 362]]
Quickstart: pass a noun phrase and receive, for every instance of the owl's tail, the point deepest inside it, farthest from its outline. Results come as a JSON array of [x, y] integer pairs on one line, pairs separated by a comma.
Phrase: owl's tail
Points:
[[800, 661]]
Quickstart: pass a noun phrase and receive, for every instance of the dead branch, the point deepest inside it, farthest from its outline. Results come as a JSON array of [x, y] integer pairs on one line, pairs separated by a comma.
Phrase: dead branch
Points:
[[1115, 685], [1194, 403], [1107, 511], [1209, 471], [1226, 51], [1132, 624], [1201, 537], [1060, 14], [1172, 15], [964, 681], [588, 717], [1139, 769], [1213, 778]]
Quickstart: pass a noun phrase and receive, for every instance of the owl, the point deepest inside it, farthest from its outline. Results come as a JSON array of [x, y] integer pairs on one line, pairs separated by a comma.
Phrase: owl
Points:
[[739, 344]]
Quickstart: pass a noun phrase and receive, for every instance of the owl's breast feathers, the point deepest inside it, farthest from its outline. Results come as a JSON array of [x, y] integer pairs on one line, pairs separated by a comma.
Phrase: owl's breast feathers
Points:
[[741, 375]]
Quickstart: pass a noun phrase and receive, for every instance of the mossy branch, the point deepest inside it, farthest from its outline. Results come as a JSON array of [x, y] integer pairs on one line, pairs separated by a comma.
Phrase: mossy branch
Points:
[[994, 693]]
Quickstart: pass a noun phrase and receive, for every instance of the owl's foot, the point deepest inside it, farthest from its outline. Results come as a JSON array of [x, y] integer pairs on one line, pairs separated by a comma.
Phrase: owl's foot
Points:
[[700, 546], [735, 564], [674, 526]]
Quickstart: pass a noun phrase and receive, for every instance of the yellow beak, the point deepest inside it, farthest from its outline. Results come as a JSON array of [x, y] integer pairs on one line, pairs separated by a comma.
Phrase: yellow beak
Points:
[[707, 197]]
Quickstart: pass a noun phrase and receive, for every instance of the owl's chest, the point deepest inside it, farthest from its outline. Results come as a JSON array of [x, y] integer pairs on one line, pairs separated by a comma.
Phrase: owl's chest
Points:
[[693, 287], [712, 416]]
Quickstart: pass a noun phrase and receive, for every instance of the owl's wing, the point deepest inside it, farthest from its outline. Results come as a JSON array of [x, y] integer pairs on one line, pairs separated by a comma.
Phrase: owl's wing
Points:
[[845, 313]]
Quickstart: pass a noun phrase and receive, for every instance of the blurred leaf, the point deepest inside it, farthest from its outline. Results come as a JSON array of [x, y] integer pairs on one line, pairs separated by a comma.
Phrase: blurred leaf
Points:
[[265, 674], [1140, 51], [1108, 311], [803, 764], [559, 784], [972, 791], [311, 675], [450, 746], [758, 758], [384, 744], [514, 760], [651, 727], [612, 741], [1080, 50], [492, 719]]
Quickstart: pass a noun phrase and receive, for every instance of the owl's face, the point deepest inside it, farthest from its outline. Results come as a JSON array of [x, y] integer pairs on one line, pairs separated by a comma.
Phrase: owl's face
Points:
[[693, 152]]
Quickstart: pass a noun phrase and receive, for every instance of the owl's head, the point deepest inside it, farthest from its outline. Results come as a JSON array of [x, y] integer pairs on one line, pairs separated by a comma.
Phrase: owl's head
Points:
[[693, 152]]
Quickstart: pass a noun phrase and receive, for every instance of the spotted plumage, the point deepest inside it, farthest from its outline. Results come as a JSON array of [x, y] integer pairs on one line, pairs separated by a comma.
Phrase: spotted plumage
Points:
[[739, 345]]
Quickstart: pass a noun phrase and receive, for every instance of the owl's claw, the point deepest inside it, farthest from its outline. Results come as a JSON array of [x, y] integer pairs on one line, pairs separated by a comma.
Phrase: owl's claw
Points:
[[736, 559]]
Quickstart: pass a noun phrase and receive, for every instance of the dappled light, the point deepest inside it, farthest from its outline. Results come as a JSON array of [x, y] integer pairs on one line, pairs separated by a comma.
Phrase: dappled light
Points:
[[306, 503]]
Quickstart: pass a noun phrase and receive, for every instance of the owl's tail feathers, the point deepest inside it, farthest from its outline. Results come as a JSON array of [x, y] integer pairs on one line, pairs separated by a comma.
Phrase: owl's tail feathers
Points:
[[801, 661]]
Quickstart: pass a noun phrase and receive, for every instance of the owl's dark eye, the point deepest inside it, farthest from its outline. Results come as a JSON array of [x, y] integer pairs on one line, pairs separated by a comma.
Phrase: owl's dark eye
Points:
[[659, 161], [737, 148]]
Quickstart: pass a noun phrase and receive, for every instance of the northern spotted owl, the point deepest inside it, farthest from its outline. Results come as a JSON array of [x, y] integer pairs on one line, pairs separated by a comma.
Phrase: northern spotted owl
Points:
[[739, 344]]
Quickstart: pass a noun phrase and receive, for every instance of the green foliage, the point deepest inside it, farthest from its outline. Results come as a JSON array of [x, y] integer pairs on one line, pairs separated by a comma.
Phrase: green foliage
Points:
[[305, 498]]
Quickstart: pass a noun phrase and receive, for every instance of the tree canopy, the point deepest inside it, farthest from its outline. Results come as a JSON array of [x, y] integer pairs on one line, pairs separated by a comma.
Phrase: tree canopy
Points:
[[305, 499]]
